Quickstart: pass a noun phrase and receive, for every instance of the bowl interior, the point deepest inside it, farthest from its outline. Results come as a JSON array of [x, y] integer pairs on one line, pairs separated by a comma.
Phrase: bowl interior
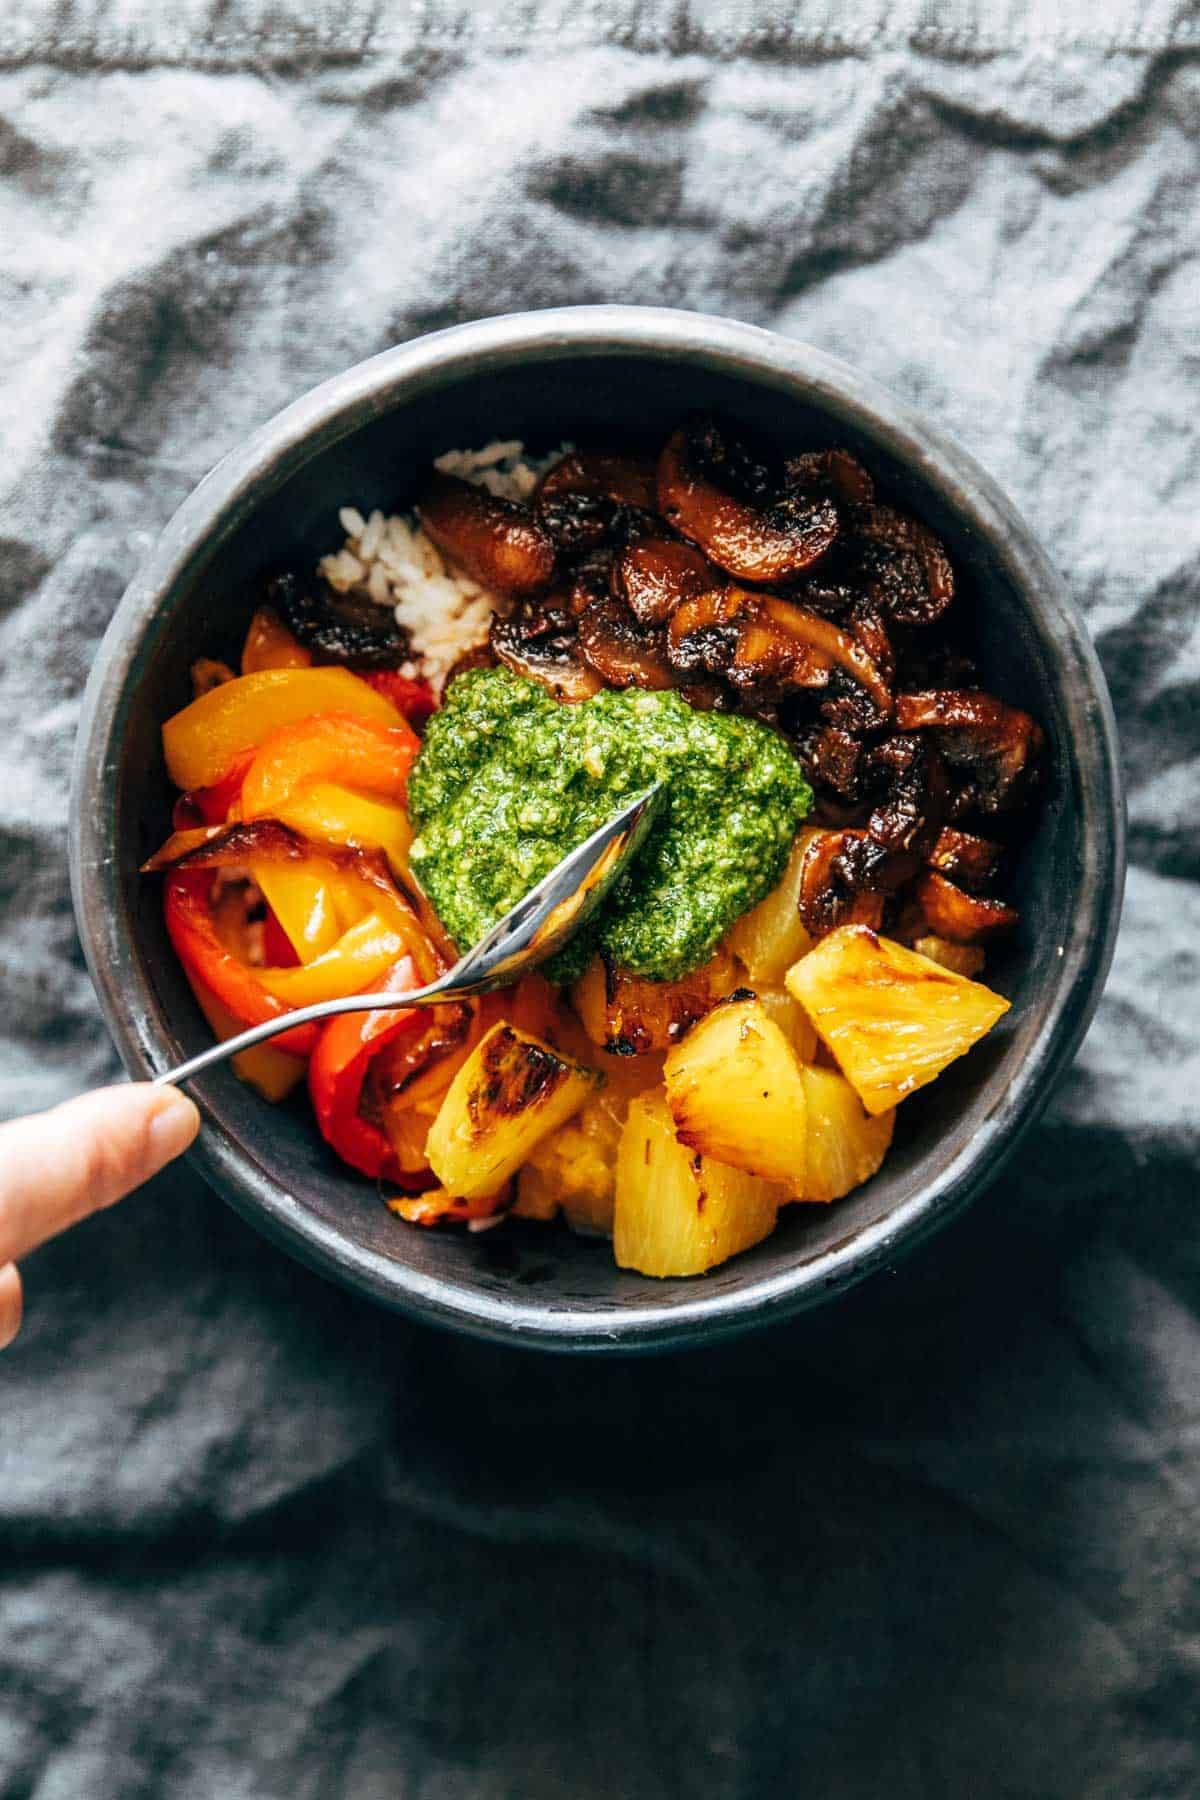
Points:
[[272, 1159]]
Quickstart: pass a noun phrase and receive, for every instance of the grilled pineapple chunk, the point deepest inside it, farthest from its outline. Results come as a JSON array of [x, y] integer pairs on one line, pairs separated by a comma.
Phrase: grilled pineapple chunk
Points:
[[735, 1093], [576, 1166], [770, 937], [892, 1019], [791, 1019], [678, 1213], [511, 1092], [631, 1016], [845, 1145]]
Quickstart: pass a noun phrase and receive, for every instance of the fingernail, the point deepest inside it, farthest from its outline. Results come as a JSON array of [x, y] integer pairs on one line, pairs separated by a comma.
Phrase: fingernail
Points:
[[174, 1125], [11, 1304]]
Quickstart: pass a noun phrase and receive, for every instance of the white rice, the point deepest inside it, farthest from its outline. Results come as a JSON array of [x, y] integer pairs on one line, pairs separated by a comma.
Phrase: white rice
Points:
[[389, 558]]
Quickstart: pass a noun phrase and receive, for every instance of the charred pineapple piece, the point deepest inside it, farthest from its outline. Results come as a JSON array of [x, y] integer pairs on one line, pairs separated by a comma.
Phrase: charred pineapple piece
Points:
[[770, 937], [791, 1019], [631, 1016], [845, 1145], [679, 1213], [893, 1019], [576, 1166], [512, 1091], [735, 1093]]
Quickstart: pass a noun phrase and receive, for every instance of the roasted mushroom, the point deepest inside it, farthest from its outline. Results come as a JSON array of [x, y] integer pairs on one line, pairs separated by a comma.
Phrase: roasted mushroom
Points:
[[622, 652], [995, 745], [902, 565], [963, 918], [841, 881], [907, 817], [963, 858], [497, 542], [766, 647], [720, 498], [654, 575], [833, 758], [337, 628], [835, 472], [543, 643], [602, 475]]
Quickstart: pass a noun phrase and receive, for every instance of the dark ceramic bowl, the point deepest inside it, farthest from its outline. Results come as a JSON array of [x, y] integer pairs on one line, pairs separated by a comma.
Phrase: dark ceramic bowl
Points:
[[366, 437]]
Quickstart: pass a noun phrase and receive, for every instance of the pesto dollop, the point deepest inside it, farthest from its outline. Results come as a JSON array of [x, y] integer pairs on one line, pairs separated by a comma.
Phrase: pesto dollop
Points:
[[509, 779]]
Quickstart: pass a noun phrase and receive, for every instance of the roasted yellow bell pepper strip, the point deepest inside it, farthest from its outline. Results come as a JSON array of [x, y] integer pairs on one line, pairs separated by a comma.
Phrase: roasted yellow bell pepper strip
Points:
[[328, 814], [202, 741], [300, 896], [361, 956]]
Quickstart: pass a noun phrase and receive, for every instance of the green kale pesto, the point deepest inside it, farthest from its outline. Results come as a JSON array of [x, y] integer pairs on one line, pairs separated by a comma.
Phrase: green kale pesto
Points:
[[509, 779]]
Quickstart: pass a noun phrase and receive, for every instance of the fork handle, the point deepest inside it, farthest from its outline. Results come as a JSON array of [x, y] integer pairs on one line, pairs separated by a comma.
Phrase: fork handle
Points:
[[304, 1015]]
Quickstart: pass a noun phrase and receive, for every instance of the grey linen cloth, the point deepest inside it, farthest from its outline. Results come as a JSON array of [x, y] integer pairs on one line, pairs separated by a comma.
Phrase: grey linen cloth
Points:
[[262, 1542]]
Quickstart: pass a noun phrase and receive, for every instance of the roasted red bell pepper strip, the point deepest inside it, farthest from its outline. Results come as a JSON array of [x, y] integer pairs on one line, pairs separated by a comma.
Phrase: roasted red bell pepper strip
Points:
[[190, 926], [278, 948], [338, 1069], [415, 699], [362, 754]]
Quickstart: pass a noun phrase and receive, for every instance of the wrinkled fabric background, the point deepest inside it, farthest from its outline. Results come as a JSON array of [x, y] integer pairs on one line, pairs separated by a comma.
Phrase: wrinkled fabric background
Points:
[[262, 1541]]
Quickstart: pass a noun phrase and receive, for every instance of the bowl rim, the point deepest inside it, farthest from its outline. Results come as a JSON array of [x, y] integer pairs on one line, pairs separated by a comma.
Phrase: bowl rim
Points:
[[220, 503]]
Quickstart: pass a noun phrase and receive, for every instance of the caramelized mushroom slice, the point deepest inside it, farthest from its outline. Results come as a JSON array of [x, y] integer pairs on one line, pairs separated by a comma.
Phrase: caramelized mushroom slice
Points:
[[840, 881], [865, 624], [904, 565], [764, 539], [997, 745], [766, 647], [543, 644], [833, 758], [817, 639], [601, 474], [621, 651], [337, 628], [968, 860], [654, 575], [909, 814], [702, 636], [833, 471], [579, 524], [963, 918], [500, 544]]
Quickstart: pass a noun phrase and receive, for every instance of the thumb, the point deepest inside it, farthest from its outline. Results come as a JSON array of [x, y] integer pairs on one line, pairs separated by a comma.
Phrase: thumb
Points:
[[58, 1166]]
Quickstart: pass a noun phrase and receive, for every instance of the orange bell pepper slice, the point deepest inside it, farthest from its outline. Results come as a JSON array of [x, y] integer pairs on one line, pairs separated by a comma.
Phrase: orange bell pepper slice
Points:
[[202, 742], [343, 748], [270, 645]]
